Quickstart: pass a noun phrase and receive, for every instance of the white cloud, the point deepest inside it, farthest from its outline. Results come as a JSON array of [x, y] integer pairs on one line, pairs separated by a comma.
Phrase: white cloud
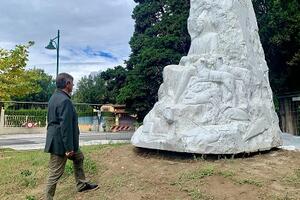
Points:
[[102, 25]]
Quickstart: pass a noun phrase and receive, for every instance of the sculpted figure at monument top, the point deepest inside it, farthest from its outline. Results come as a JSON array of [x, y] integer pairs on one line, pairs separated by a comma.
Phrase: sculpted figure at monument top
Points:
[[218, 99]]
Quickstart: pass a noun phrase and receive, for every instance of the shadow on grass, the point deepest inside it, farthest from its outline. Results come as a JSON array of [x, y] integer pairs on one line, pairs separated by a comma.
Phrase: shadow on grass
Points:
[[170, 155]]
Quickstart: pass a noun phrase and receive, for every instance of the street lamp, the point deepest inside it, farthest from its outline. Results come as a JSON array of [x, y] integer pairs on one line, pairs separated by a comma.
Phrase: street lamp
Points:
[[53, 45]]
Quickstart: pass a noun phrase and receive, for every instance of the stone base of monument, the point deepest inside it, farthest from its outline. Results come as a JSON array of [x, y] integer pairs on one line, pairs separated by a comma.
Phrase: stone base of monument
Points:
[[207, 140], [205, 123]]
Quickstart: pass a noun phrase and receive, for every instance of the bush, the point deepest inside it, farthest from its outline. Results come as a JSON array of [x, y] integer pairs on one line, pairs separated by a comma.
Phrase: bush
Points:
[[27, 112]]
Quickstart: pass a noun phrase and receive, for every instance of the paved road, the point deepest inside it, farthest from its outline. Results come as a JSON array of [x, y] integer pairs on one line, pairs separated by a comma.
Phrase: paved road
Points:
[[37, 141], [291, 142]]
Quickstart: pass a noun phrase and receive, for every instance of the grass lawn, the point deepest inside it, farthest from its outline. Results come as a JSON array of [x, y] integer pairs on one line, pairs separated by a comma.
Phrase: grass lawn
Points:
[[125, 172]]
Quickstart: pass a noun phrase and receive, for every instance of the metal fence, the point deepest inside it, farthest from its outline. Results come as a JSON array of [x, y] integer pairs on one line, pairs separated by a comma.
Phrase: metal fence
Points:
[[24, 121], [23, 114], [34, 114]]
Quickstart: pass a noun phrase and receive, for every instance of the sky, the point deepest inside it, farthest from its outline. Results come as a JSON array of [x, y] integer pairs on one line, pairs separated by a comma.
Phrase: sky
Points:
[[94, 34]]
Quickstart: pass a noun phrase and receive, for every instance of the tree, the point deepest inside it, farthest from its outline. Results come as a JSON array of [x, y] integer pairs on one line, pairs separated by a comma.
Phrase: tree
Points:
[[45, 82], [114, 80], [160, 39], [279, 23], [90, 89], [101, 88], [14, 79]]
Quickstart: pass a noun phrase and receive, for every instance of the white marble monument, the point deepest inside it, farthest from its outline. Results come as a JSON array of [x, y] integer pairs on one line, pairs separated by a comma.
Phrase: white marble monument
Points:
[[218, 99]]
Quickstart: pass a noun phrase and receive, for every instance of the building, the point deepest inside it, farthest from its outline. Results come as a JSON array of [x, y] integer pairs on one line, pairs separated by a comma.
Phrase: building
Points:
[[116, 118]]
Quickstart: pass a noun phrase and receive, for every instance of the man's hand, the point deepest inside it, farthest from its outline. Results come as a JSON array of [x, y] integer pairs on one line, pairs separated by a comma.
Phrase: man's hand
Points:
[[70, 154]]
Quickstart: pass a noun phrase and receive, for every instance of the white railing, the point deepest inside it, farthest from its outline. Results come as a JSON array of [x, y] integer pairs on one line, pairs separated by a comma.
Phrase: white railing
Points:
[[24, 121]]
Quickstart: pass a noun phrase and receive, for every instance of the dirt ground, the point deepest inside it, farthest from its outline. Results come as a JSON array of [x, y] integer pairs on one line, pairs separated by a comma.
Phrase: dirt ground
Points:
[[126, 172]]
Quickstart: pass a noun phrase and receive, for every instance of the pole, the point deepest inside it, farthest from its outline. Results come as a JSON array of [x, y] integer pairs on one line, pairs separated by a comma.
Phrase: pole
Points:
[[57, 54]]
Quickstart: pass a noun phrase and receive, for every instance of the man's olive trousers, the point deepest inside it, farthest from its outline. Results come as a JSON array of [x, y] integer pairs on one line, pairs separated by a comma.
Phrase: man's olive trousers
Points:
[[56, 169]]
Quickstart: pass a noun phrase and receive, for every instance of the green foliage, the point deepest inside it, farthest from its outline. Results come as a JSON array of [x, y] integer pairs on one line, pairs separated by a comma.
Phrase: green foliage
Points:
[[27, 112], [90, 167], [107, 114], [196, 194], [279, 23], [160, 39], [293, 179], [69, 168], [101, 88], [200, 173], [90, 89], [26, 173], [23, 173], [250, 181], [30, 197], [226, 174], [14, 79], [28, 178], [114, 80], [196, 175], [45, 82]]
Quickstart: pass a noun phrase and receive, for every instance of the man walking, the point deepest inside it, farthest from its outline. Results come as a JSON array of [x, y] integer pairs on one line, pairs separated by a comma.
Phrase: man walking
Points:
[[62, 140]]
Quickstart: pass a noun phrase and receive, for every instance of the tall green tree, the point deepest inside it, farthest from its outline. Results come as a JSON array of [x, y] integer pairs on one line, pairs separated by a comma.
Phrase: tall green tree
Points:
[[45, 82], [15, 80], [101, 88], [279, 29], [90, 89], [114, 80], [160, 38]]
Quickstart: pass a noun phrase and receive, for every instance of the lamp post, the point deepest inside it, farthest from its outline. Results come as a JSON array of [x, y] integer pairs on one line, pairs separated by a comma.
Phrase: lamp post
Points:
[[53, 45]]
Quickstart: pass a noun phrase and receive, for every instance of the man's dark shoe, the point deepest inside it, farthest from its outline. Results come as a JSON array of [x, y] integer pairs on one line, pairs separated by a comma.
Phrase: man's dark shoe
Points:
[[88, 186]]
